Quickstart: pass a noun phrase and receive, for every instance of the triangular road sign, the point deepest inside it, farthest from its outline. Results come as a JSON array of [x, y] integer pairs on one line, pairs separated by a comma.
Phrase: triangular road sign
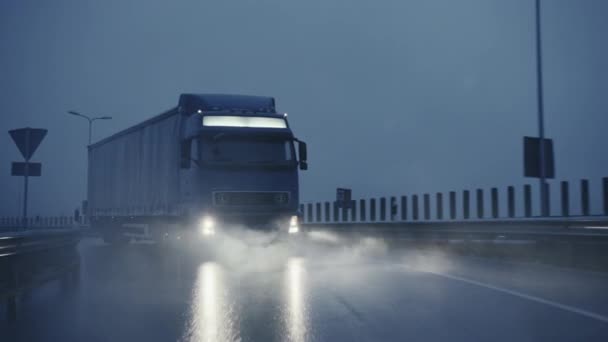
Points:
[[27, 140]]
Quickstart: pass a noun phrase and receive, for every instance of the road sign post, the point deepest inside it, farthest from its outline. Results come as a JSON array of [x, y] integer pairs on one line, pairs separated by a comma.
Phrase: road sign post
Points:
[[343, 197], [539, 163], [27, 141]]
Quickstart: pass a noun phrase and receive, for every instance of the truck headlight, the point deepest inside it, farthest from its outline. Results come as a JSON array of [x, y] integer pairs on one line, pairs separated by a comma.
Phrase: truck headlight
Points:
[[293, 225], [207, 225]]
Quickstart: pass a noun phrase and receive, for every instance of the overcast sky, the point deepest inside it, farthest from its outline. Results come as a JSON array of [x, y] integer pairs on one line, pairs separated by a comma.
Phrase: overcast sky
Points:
[[393, 97]]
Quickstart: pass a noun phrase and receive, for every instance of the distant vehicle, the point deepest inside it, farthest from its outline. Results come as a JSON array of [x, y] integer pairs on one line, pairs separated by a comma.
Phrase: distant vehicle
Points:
[[212, 161]]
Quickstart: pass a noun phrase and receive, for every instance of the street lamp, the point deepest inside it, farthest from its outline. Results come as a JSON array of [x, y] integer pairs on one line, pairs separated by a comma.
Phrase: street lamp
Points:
[[90, 120], [544, 200]]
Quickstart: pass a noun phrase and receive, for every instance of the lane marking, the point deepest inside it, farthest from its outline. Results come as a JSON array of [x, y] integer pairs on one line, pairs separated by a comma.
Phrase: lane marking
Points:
[[557, 305]]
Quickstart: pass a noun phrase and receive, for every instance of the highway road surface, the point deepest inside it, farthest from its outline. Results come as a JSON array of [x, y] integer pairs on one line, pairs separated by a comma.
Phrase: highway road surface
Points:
[[319, 288]]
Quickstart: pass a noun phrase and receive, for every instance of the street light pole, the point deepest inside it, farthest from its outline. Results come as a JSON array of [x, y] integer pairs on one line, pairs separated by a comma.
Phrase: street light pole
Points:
[[90, 120], [541, 124]]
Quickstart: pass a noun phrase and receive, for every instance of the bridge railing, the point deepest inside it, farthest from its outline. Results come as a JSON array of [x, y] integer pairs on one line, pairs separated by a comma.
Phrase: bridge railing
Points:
[[452, 206]]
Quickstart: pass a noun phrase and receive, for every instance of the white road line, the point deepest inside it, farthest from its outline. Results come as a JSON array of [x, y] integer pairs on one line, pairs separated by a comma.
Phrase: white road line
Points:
[[522, 295]]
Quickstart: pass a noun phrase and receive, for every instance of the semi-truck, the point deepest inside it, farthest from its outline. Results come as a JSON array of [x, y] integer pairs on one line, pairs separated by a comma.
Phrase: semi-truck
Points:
[[213, 161]]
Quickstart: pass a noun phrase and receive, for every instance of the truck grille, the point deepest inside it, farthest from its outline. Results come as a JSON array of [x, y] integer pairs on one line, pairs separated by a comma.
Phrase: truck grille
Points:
[[228, 198]]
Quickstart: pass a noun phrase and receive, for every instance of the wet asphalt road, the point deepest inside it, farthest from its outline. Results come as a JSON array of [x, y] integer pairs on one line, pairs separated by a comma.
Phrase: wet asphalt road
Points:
[[316, 289]]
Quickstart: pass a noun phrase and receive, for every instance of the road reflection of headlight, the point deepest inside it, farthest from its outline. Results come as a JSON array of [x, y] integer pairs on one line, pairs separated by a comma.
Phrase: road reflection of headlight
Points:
[[207, 226], [211, 318], [293, 225], [296, 319]]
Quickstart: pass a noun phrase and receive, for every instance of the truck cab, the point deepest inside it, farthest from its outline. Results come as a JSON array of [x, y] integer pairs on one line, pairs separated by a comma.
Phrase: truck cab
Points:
[[239, 163]]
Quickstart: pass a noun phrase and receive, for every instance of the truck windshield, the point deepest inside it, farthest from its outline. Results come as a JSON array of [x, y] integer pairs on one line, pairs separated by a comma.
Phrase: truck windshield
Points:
[[242, 150]]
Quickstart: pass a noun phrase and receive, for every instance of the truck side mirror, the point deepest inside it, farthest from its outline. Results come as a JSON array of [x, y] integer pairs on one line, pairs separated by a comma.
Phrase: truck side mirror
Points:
[[185, 147], [303, 154]]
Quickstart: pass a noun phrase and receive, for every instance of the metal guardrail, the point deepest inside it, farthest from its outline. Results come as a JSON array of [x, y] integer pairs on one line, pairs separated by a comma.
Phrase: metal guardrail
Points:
[[588, 229], [29, 258], [18, 243]]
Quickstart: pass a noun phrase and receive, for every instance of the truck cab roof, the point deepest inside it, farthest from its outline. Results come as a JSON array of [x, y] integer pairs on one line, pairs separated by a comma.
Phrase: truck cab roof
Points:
[[242, 104]]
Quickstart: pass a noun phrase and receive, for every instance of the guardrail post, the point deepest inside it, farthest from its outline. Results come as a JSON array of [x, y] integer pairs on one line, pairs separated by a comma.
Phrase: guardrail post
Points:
[[511, 201], [353, 211], [479, 198], [372, 209], [427, 207], [336, 212], [439, 200], [465, 204], [318, 211], [393, 209], [362, 210], [327, 211], [403, 208], [382, 209], [585, 197], [605, 194], [415, 207], [494, 193], [452, 205], [565, 199], [309, 213], [527, 200]]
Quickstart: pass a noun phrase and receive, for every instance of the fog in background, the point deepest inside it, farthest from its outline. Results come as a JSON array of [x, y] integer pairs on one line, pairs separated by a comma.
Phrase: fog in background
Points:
[[393, 97]]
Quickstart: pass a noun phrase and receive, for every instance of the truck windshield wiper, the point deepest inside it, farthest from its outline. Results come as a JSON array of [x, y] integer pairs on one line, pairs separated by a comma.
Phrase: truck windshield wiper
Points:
[[221, 159], [276, 161], [218, 136]]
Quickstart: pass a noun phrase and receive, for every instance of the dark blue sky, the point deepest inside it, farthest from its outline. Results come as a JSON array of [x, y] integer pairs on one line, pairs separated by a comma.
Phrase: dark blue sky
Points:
[[393, 97]]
